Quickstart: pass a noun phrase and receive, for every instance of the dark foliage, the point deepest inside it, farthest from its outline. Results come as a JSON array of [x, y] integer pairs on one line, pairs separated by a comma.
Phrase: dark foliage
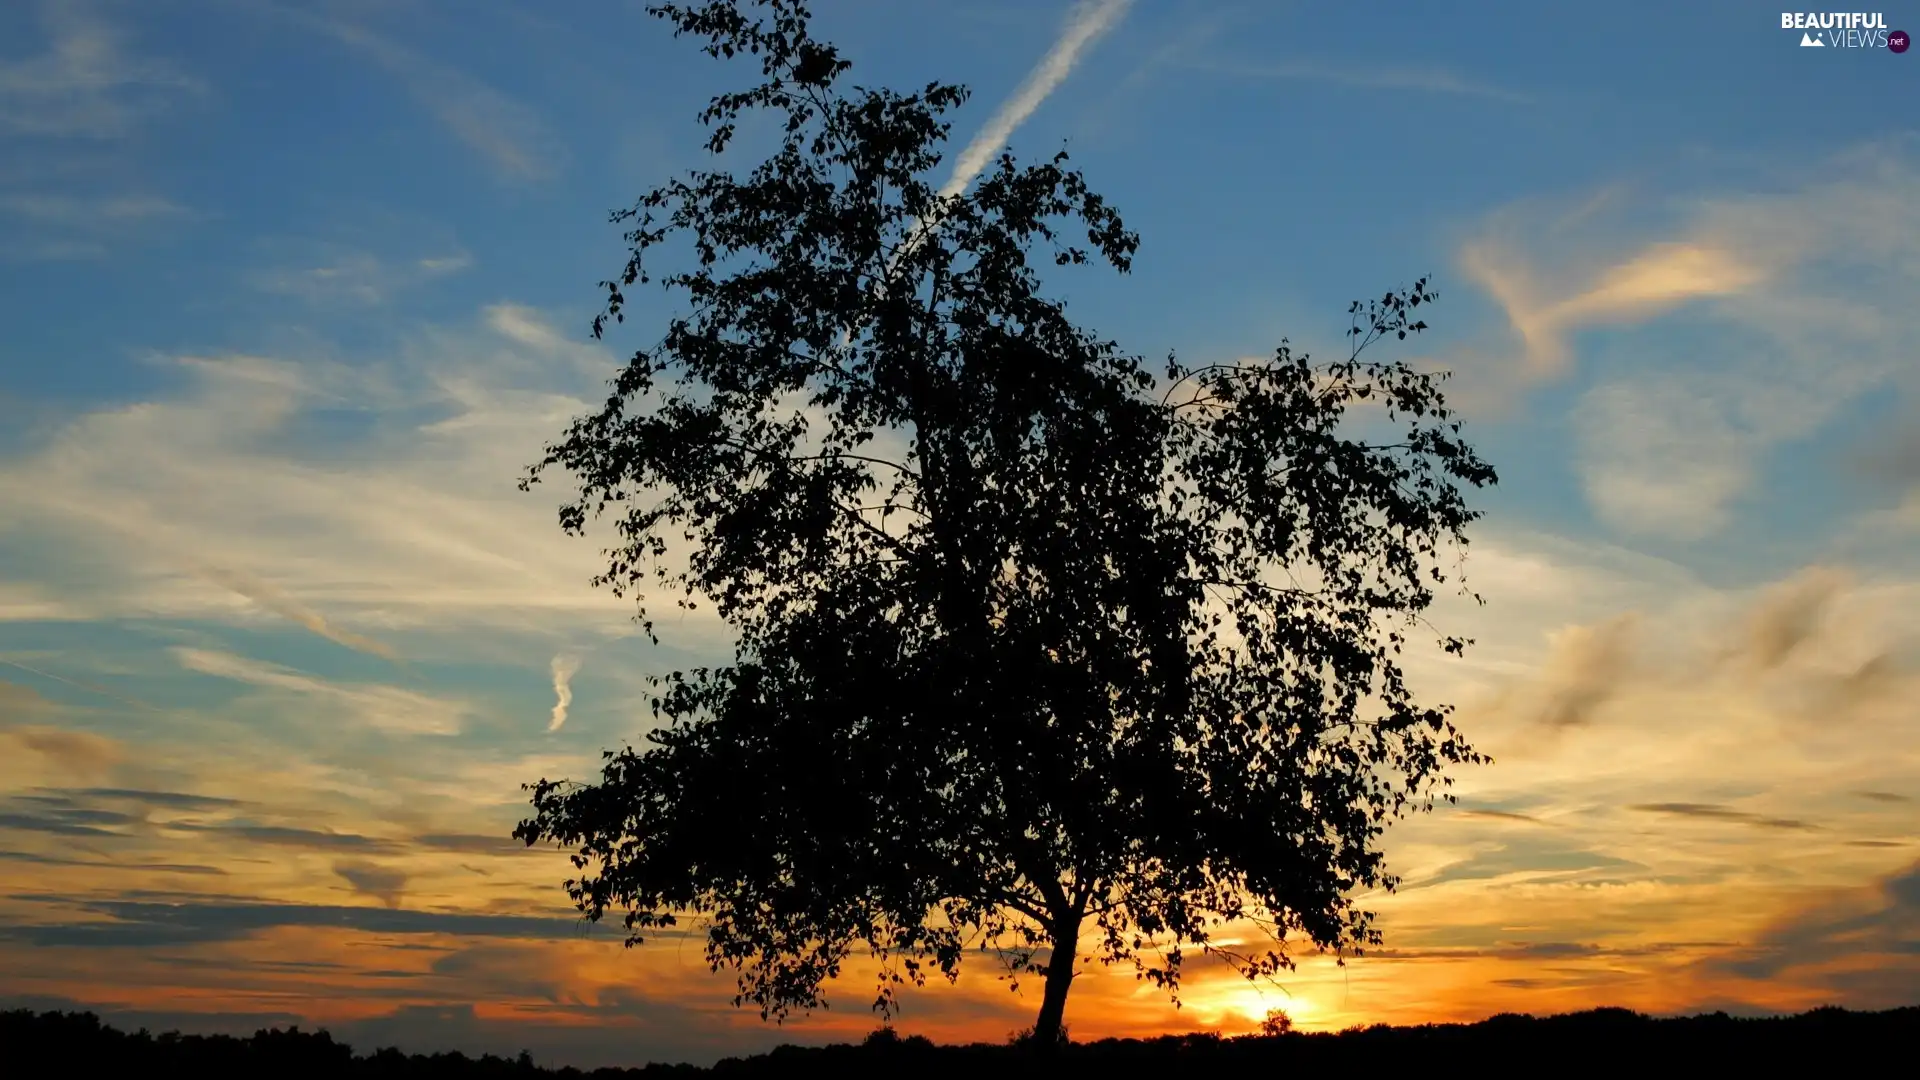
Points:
[[78, 1044], [1034, 640]]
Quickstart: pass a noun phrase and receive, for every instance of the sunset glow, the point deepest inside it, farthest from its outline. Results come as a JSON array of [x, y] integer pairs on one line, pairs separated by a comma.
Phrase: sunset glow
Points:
[[296, 293]]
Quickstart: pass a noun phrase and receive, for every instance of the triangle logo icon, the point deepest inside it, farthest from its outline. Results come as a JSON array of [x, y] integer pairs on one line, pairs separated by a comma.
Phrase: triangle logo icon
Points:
[[1809, 41]]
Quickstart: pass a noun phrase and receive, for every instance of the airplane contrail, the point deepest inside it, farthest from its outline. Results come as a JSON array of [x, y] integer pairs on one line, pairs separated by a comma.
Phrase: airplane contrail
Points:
[[88, 687], [1087, 22]]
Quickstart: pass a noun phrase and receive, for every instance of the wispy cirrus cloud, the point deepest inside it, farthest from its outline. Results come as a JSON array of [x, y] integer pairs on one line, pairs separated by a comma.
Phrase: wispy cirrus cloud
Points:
[[1652, 281], [77, 684], [1717, 812], [52, 226], [1790, 300], [1501, 816], [134, 923], [70, 210], [420, 528], [86, 84], [388, 708], [508, 134], [21, 601], [1530, 858], [1789, 615], [1431, 80], [170, 800], [359, 277], [326, 841], [278, 602], [1588, 666]]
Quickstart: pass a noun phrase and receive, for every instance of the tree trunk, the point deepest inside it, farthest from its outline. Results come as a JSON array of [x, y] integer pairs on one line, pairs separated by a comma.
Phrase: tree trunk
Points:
[[1053, 1007]]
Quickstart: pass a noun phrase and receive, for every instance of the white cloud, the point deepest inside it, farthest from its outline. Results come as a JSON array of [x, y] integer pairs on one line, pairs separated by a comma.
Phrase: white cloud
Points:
[[564, 668], [358, 276], [406, 520], [1661, 456], [1794, 302], [524, 325], [1652, 281], [508, 134]]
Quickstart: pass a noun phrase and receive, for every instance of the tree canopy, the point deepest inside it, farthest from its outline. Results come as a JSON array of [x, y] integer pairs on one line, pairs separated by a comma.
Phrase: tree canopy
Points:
[[1034, 642]]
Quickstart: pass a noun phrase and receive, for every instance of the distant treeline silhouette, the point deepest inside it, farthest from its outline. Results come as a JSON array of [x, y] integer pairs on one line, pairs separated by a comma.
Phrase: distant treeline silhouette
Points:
[[60, 1043]]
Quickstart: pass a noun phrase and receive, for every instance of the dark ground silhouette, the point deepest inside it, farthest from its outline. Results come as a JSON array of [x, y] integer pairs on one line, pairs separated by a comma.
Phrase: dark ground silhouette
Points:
[[67, 1044]]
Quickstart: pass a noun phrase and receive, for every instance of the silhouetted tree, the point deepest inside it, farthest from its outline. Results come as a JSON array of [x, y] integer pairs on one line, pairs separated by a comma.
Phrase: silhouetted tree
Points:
[[1031, 641]]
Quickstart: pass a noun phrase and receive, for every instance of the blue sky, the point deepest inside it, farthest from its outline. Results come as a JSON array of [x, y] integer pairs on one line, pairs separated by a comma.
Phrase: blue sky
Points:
[[295, 291]]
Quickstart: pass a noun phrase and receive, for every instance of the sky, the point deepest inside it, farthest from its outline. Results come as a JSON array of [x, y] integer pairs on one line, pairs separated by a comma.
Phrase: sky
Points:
[[294, 292]]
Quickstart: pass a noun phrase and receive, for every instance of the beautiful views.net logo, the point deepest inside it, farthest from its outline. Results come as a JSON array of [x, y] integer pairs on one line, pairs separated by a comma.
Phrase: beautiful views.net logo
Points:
[[1845, 30]]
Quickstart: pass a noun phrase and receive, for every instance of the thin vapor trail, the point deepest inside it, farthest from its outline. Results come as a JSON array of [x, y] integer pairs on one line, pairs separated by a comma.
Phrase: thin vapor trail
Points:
[[88, 687], [1089, 20]]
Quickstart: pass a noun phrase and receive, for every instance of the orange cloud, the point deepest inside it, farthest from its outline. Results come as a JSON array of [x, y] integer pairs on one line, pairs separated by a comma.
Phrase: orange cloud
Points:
[[1790, 614], [63, 750], [1658, 278]]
